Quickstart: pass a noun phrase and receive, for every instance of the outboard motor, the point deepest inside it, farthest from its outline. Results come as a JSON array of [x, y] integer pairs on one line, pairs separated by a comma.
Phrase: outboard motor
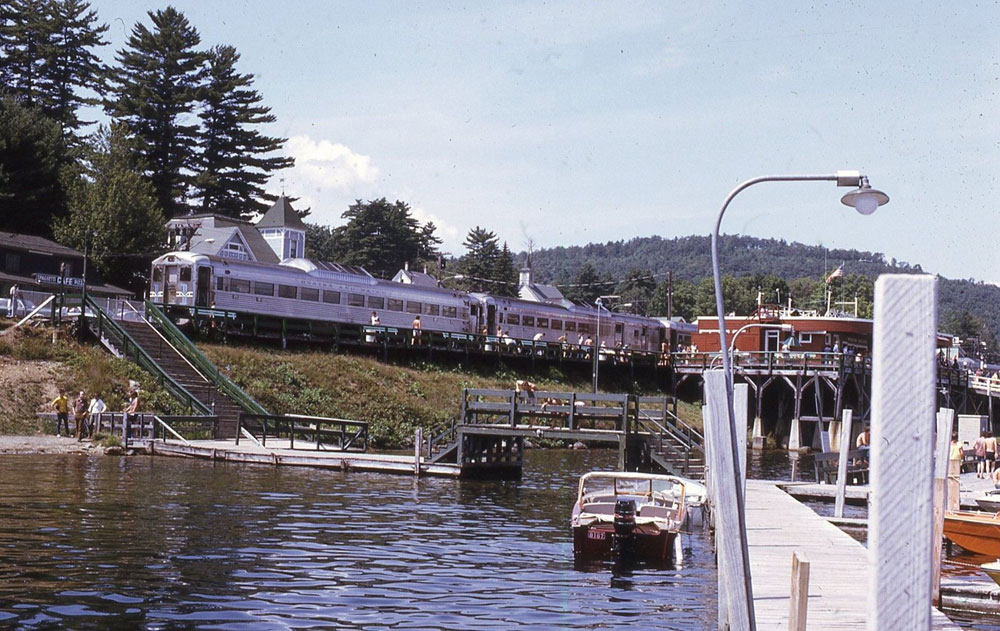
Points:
[[623, 543]]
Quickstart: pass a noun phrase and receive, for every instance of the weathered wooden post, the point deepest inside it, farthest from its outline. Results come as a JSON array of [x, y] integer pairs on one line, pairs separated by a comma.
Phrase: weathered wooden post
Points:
[[741, 406], [418, 443], [942, 448], [799, 601], [902, 453], [845, 446], [734, 575]]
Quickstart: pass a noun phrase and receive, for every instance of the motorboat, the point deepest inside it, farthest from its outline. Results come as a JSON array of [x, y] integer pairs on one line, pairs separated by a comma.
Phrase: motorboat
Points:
[[975, 531], [989, 502], [629, 516], [992, 570]]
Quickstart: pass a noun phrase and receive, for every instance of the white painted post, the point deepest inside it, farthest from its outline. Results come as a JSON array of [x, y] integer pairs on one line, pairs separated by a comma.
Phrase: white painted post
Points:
[[902, 453], [734, 576], [713, 502], [799, 601], [795, 435], [741, 405], [942, 449], [845, 446], [418, 443]]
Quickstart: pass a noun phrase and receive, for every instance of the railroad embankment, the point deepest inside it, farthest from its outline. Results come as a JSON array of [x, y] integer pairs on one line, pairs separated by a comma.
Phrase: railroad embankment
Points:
[[393, 398]]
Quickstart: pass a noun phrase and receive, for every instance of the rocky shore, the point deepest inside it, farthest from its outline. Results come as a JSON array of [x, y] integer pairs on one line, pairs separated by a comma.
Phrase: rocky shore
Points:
[[47, 444]]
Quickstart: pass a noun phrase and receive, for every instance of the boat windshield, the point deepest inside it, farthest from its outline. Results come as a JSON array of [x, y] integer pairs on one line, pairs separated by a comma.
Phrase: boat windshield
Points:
[[639, 487]]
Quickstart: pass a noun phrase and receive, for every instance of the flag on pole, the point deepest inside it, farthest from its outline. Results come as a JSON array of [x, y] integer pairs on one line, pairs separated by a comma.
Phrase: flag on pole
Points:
[[837, 273]]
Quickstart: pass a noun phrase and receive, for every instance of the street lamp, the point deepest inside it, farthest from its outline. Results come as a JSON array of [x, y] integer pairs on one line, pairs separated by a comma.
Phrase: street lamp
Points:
[[597, 338], [865, 200]]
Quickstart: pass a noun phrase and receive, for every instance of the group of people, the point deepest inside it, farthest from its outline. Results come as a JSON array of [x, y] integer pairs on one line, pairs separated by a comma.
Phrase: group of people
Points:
[[86, 413], [985, 450]]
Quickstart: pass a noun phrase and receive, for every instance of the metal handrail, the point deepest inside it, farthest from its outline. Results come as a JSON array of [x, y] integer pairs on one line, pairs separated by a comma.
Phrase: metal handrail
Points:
[[204, 365], [106, 326]]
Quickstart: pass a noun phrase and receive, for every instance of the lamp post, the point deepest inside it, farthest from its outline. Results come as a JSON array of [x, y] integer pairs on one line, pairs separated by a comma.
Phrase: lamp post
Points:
[[865, 200], [597, 337]]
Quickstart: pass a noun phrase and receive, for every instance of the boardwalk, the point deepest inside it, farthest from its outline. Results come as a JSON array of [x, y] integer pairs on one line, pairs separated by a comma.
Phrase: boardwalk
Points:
[[777, 526]]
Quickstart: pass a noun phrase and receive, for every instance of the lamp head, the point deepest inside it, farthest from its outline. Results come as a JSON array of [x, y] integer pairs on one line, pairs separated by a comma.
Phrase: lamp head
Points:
[[866, 199]]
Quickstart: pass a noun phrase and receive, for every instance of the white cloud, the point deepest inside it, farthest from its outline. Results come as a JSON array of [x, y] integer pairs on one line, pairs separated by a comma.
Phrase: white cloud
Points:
[[321, 164]]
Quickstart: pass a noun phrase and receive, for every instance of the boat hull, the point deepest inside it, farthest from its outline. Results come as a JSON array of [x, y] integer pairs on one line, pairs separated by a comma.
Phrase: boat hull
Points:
[[976, 532], [595, 542]]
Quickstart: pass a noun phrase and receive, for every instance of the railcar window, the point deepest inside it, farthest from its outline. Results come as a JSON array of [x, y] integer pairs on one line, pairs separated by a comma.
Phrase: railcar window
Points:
[[528, 320], [239, 286], [287, 291], [308, 293], [618, 327], [413, 307], [543, 323], [557, 325], [432, 309], [331, 297], [355, 300], [157, 274], [449, 312], [394, 304], [570, 326], [220, 283], [376, 302], [185, 274], [635, 334], [513, 318], [263, 289], [583, 328]]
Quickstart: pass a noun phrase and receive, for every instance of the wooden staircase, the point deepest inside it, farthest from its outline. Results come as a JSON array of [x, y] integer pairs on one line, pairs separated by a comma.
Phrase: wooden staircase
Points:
[[177, 366], [670, 444]]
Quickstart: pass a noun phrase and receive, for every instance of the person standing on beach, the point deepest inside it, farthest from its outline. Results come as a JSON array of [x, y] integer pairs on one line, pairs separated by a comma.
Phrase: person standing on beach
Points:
[[991, 452], [61, 406], [94, 410], [80, 415]]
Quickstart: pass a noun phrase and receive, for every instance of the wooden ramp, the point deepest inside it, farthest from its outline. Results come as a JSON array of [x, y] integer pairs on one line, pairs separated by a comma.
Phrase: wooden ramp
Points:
[[777, 526]]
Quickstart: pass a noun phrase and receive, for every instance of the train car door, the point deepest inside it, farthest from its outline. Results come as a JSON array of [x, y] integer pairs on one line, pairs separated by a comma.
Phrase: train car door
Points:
[[169, 284], [491, 318], [204, 286], [619, 334]]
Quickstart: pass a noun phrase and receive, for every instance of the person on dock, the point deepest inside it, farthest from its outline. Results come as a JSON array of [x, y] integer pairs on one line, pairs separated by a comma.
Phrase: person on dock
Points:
[[80, 415], [979, 448], [131, 410], [864, 439], [417, 331], [991, 452], [375, 319], [61, 406], [94, 410]]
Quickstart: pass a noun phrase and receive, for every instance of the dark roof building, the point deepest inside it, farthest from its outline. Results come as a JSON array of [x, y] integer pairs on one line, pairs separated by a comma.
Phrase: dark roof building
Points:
[[36, 263]]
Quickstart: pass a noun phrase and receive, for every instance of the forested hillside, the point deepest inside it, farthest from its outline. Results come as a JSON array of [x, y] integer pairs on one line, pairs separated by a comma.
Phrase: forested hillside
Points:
[[638, 268]]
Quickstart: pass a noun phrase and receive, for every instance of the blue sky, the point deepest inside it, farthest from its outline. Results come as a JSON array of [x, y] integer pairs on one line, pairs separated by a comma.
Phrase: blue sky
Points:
[[563, 123]]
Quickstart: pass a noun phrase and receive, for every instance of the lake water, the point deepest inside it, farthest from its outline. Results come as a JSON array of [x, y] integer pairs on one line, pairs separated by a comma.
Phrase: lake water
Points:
[[161, 543]]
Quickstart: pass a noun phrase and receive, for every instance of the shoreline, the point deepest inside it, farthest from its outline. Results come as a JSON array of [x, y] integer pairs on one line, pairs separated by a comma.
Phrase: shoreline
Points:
[[48, 444]]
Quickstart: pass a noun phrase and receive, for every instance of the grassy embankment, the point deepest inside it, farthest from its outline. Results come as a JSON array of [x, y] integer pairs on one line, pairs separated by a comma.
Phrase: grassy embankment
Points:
[[394, 399]]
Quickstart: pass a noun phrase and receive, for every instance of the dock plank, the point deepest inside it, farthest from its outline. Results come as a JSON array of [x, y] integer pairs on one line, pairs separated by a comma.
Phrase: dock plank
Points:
[[777, 526]]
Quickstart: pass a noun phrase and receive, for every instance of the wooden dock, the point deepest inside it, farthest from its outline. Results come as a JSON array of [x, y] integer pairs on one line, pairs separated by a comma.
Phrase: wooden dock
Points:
[[278, 453], [777, 526]]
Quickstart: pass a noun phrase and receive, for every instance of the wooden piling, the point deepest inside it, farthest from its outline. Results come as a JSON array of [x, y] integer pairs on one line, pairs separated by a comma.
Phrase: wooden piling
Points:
[[902, 452], [845, 447]]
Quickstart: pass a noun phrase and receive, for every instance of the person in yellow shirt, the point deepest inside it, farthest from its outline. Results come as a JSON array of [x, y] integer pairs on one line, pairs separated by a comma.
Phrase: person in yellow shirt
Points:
[[61, 406]]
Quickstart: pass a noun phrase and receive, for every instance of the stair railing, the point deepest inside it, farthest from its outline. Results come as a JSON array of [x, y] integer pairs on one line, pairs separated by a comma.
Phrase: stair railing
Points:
[[105, 327], [204, 365]]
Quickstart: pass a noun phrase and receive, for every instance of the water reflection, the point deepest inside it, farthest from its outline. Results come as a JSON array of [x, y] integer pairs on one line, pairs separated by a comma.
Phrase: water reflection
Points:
[[167, 544]]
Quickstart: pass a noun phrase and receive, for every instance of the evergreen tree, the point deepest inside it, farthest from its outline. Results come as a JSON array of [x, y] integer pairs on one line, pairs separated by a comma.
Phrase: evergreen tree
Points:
[[113, 209], [504, 273], [71, 64], [381, 237], [479, 264], [587, 285], [33, 169], [155, 92], [25, 39], [233, 163]]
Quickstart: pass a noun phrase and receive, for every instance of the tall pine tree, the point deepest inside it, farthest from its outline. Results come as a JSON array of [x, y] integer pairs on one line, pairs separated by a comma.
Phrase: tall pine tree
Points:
[[71, 65], [478, 265], [155, 92], [234, 166], [25, 39]]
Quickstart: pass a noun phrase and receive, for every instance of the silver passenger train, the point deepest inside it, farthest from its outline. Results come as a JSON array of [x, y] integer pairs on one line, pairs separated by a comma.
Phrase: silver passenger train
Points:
[[308, 290]]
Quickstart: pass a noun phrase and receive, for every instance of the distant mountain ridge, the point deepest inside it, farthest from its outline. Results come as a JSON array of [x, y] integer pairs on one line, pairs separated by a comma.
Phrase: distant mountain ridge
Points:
[[689, 258]]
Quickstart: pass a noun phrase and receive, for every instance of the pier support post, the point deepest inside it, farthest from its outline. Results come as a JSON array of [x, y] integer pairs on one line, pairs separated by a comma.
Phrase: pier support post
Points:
[[758, 433], [902, 453], [795, 435], [799, 593], [734, 574], [418, 443], [845, 446], [942, 448]]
